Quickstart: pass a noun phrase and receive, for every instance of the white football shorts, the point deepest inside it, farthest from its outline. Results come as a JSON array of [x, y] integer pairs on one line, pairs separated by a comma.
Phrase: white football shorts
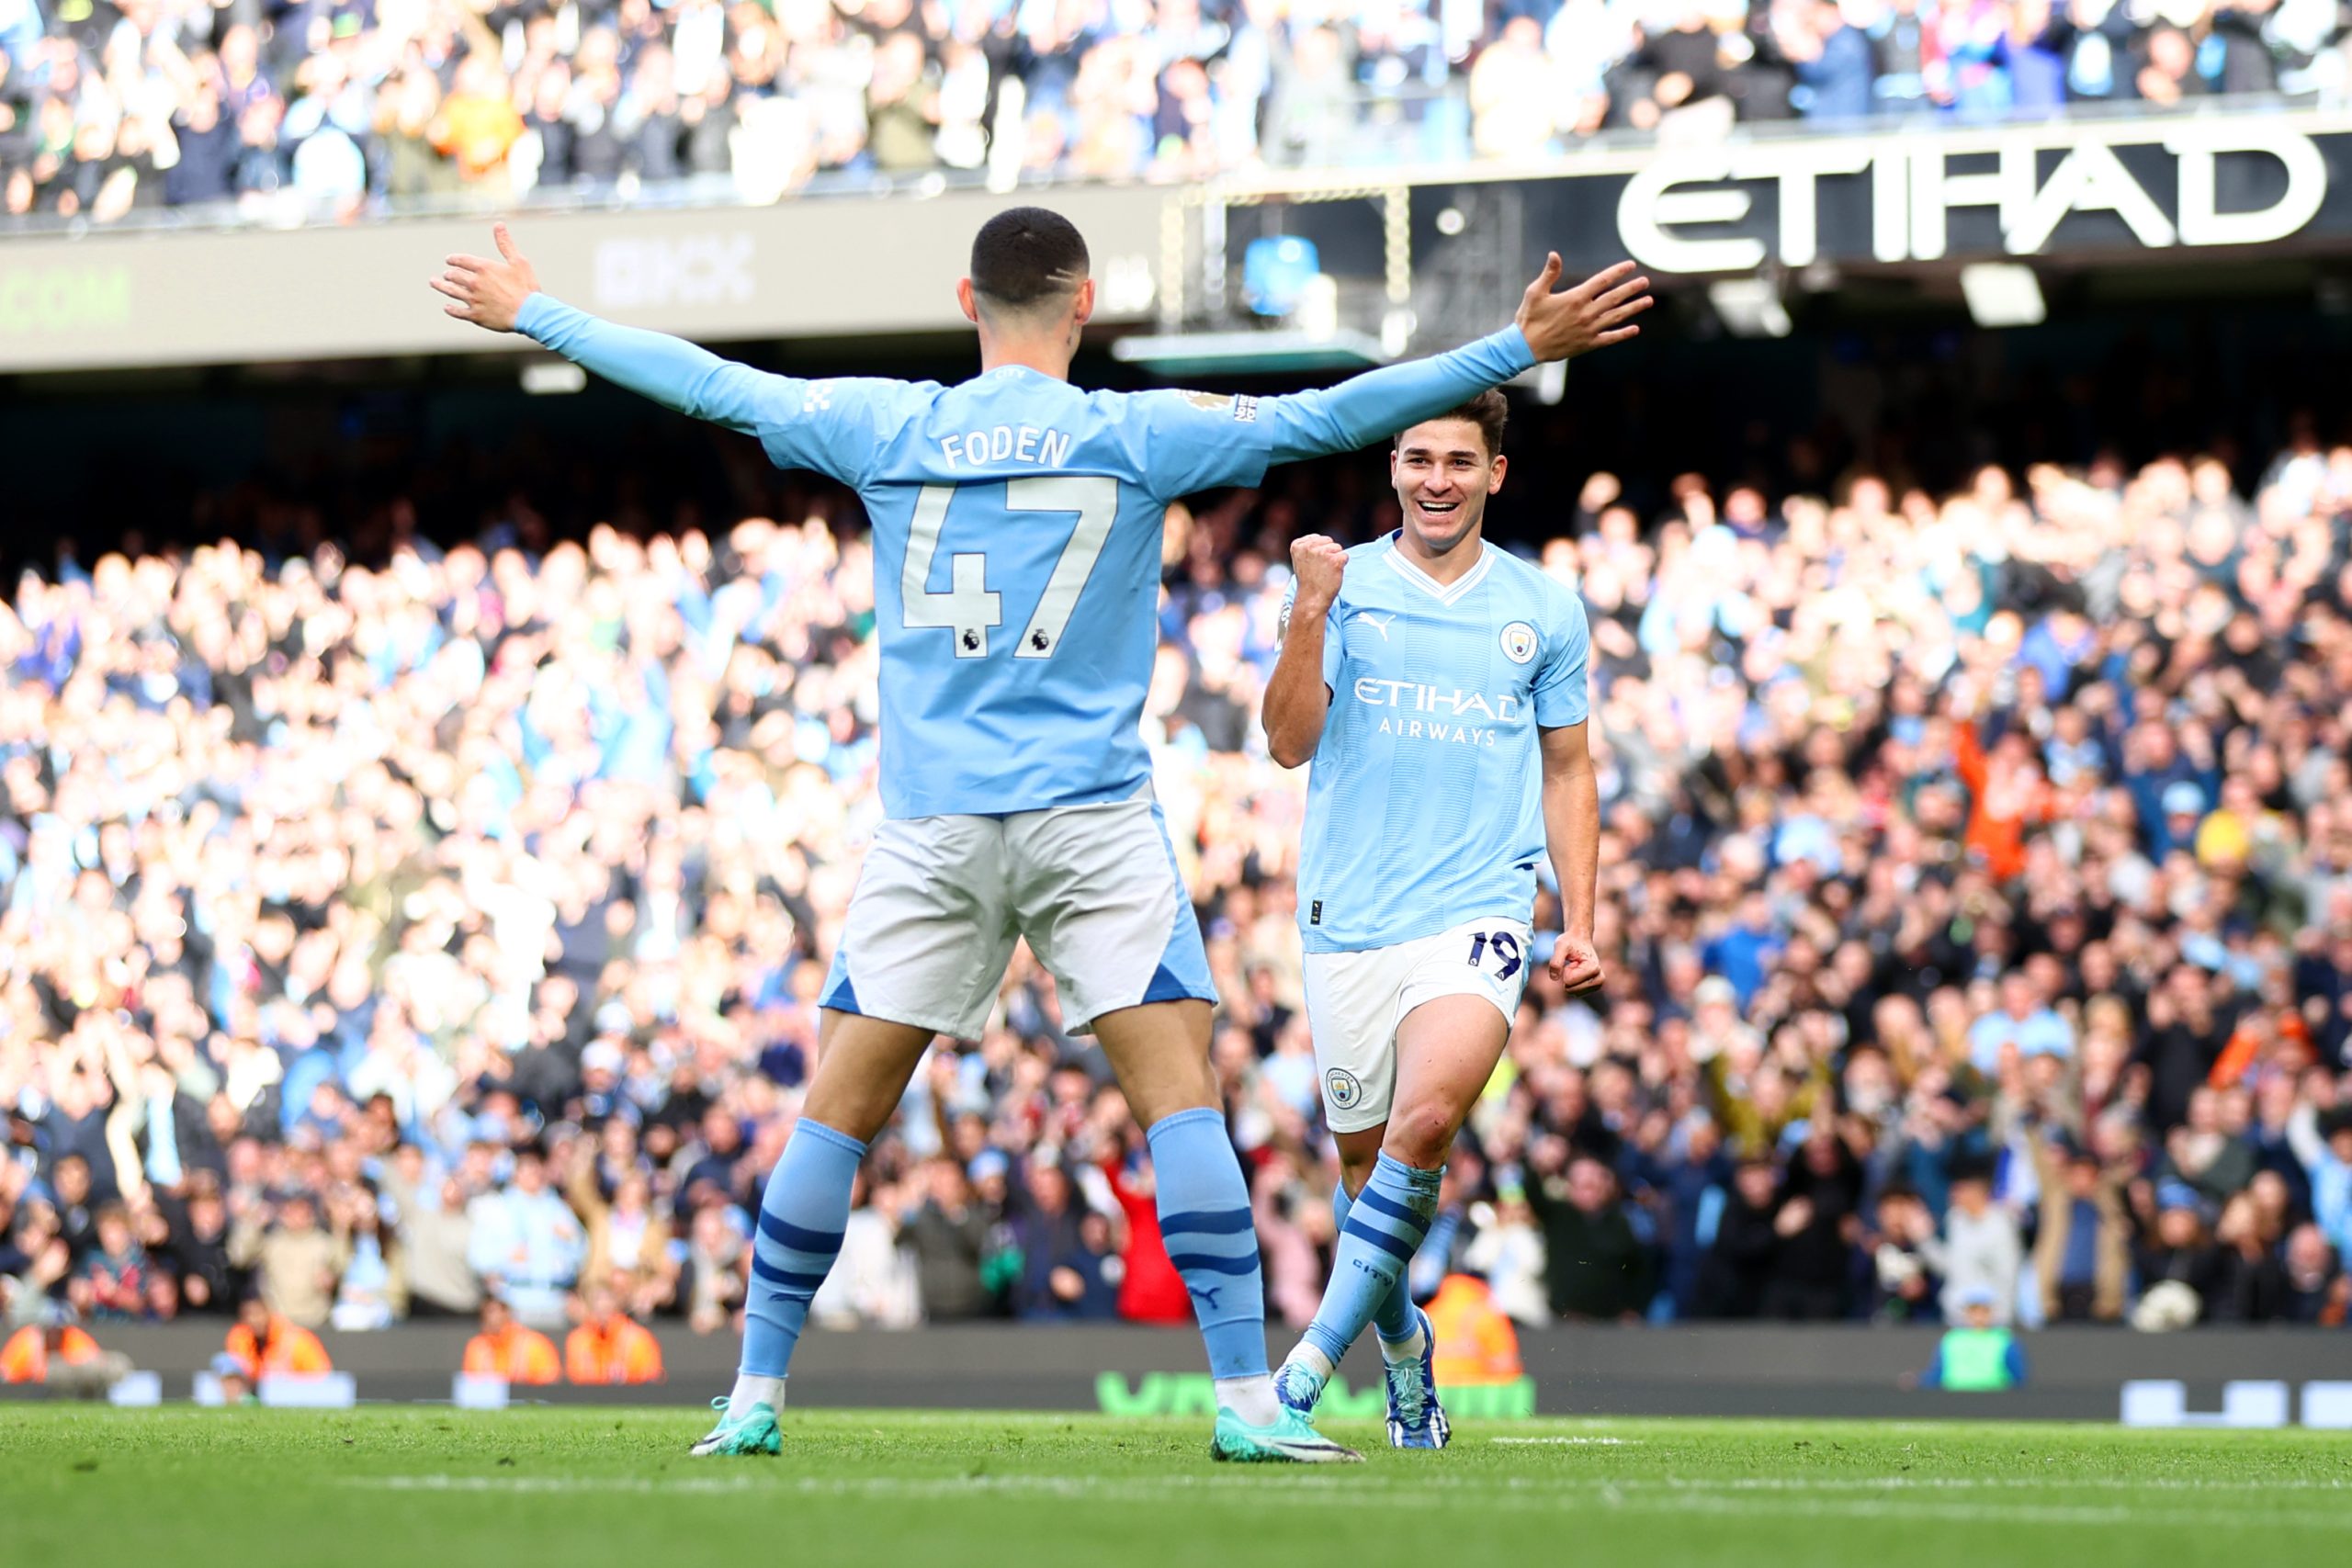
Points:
[[1355, 1000], [941, 900]]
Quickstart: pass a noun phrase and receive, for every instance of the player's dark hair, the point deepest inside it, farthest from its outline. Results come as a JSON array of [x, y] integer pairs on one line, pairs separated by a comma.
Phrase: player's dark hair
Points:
[[1025, 256], [1489, 411]]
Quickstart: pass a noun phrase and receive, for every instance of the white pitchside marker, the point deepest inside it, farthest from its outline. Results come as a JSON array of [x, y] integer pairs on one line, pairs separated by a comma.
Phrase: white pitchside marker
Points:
[[477, 1390], [2328, 1405], [137, 1388], [2164, 1402], [319, 1390]]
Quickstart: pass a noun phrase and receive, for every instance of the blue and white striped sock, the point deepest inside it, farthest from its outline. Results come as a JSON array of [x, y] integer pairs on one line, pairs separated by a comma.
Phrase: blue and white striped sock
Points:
[[1393, 1319], [1204, 1220], [1385, 1225], [801, 1216]]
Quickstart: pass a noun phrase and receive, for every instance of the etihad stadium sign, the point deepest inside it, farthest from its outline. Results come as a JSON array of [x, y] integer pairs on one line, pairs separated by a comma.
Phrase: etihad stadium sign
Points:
[[2153, 183], [2100, 190]]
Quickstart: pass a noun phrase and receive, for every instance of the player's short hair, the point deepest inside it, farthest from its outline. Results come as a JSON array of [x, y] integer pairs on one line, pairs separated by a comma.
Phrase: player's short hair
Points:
[[1026, 256], [1489, 411]]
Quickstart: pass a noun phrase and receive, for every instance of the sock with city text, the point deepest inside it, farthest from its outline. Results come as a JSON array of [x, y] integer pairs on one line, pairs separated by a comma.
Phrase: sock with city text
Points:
[[1384, 1224], [1393, 1319]]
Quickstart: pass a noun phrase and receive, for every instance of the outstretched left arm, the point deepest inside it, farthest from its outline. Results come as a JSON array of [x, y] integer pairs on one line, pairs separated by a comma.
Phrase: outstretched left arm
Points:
[[1379, 403], [1365, 409]]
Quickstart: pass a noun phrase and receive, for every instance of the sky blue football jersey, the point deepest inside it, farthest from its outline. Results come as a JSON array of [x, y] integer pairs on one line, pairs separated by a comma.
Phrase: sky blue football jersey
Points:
[[1017, 526], [1424, 801]]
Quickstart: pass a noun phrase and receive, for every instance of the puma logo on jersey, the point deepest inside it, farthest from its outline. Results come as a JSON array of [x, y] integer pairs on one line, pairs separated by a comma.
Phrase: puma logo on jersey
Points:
[[1377, 623]]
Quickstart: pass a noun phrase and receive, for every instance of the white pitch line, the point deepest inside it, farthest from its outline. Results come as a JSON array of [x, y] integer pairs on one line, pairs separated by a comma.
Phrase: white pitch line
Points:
[[1572, 1442], [1781, 1496]]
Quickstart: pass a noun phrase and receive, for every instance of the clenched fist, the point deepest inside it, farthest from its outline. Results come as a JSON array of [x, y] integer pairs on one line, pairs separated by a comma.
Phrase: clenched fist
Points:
[[1318, 563], [1576, 964], [1594, 314]]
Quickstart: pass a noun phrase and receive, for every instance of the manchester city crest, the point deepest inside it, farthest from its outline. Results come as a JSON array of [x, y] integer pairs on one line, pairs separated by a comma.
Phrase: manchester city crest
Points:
[[1518, 642], [1340, 1085]]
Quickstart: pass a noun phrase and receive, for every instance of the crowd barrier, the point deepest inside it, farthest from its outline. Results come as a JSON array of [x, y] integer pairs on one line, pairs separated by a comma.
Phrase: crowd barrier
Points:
[[2212, 1376]]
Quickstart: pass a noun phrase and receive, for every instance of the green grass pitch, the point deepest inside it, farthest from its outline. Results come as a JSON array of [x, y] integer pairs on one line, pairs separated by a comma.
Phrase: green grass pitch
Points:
[[434, 1488]]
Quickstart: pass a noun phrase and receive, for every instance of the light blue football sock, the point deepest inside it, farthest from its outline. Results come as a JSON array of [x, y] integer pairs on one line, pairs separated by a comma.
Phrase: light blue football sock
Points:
[[801, 1216], [1392, 1318], [1385, 1225], [1204, 1219]]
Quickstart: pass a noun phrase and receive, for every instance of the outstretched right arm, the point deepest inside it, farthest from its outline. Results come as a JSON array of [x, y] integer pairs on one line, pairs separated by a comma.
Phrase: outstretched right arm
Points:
[[803, 425]]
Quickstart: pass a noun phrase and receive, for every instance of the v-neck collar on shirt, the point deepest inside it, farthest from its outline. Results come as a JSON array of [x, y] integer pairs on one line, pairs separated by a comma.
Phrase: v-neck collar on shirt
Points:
[[1443, 592]]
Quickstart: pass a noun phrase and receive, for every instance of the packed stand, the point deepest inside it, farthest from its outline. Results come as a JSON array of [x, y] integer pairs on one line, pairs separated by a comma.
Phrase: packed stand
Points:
[[327, 111], [443, 939]]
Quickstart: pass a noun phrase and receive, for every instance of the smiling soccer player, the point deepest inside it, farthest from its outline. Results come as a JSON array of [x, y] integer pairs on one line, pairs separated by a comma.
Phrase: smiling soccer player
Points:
[[1438, 685]]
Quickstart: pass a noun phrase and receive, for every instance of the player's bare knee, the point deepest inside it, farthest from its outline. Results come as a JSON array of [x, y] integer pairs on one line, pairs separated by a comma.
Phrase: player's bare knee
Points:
[[848, 1114], [1420, 1135]]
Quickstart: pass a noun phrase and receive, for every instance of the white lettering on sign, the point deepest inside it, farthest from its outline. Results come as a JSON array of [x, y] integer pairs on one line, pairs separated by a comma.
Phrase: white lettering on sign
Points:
[[2197, 146], [694, 269], [1935, 191], [1652, 200], [2091, 179], [64, 300], [1682, 210]]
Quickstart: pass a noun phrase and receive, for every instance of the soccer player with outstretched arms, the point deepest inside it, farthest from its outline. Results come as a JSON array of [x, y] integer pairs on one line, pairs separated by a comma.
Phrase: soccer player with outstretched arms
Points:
[[1438, 686], [1016, 540]]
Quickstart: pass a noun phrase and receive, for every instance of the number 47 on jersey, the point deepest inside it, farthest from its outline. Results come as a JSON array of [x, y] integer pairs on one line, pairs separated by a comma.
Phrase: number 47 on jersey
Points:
[[970, 609]]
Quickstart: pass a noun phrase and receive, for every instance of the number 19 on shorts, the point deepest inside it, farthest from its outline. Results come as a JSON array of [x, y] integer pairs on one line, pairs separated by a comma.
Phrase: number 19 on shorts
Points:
[[1500, 948]]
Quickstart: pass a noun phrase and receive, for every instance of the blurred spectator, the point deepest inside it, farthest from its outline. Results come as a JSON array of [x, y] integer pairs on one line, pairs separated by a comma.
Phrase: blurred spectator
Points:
[[1507, 1254], [2081, 1254], [505, 1348], [874, 1281], [111, 1280], [1475, 1343], [1598, 1267], [1977, 1354], [1979, 1255], [1833, 59], [295, 1264], [608, 1347], [527, 1243], [30, 1353], [1739, 1260], [267, 1344], [948, 1233]]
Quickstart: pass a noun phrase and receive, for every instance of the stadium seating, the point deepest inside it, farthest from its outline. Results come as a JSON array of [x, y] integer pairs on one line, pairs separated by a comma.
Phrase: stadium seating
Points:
[[114, 109]]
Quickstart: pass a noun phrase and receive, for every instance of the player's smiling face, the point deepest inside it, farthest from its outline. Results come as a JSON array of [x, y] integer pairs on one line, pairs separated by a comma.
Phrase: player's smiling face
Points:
[[1443, 475]]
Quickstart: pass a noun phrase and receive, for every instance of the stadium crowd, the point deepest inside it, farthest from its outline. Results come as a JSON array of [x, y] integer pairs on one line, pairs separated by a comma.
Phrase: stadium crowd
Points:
[[324, 109], [385, 942]]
